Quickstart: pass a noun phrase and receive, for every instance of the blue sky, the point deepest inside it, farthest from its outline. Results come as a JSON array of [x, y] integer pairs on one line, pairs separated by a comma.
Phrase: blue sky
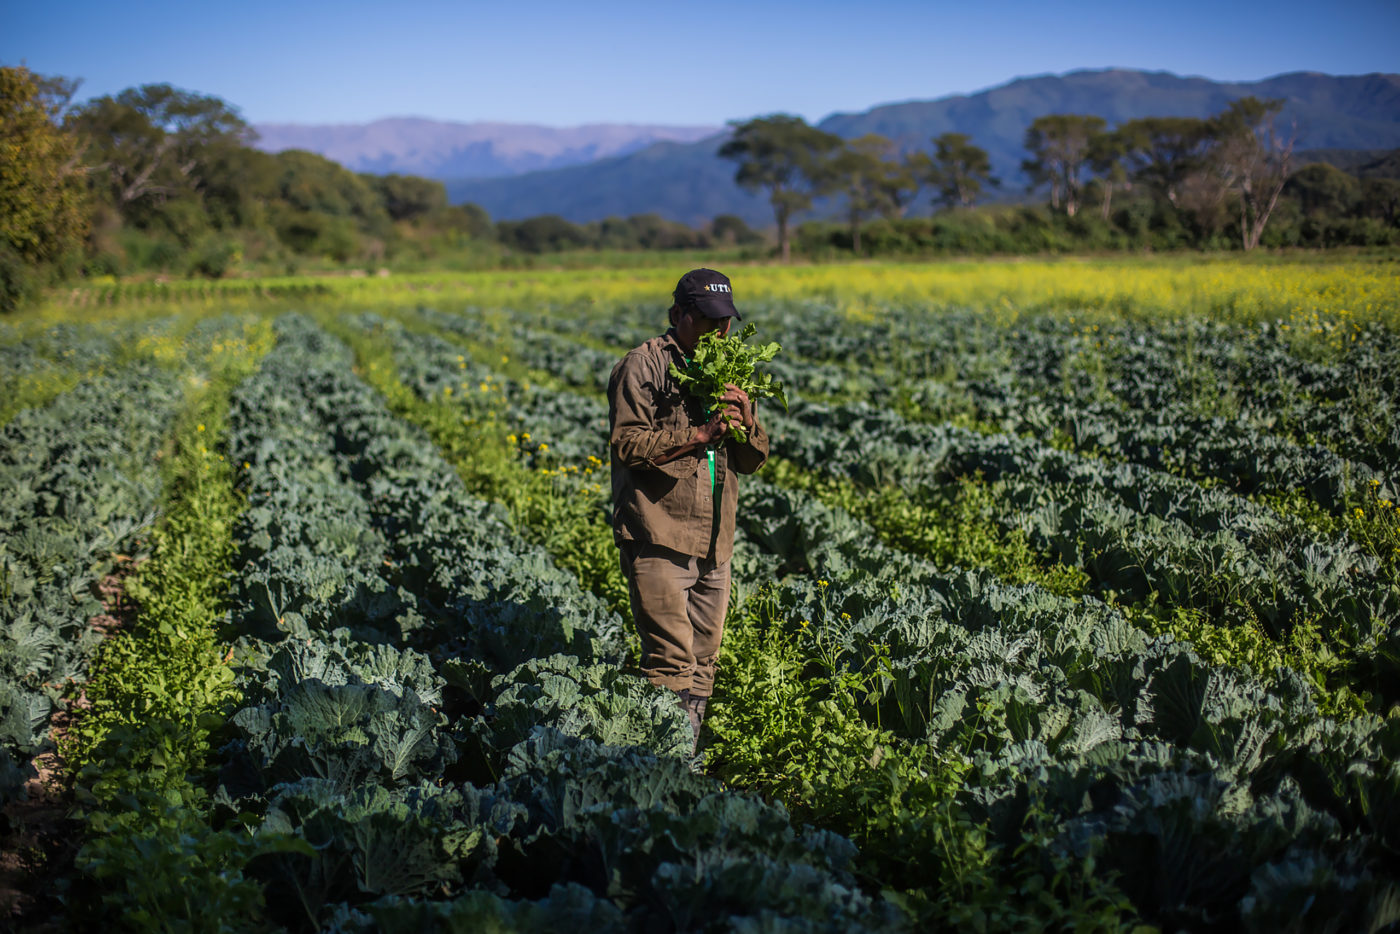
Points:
[[564, 63]]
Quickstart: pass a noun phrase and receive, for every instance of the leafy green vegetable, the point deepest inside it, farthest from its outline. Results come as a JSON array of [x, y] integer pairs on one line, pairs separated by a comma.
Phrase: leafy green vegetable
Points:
[[720, 360]]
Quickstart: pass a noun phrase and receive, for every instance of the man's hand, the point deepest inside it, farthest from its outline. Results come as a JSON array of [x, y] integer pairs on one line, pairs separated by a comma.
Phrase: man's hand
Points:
[[718, 425], [739, 400], [738, 410]]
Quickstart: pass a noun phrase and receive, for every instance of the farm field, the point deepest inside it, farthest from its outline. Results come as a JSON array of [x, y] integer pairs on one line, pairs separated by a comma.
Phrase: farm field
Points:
[[1070, 599]]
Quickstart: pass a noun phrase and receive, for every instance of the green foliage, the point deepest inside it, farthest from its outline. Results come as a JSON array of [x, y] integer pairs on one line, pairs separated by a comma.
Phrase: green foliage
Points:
[[90, 450], [429, 723], [952, 526], [721, 360], [1060, 146], [42, 214], [19, 283], [492, 451], [153, 147], [871, 181], [958, 169], [407, 197], [782, 155], [162, 868], [164, 686]]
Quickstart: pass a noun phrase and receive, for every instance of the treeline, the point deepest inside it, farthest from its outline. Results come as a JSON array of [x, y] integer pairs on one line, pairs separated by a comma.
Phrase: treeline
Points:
[[1227, 181], [157, 179]]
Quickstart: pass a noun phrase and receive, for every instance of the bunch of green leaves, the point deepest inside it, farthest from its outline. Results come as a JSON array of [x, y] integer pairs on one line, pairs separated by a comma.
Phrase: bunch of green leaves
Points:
[[720, 360]]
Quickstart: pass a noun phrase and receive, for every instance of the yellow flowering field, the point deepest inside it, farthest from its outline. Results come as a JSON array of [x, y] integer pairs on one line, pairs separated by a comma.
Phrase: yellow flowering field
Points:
[[1316, 295]]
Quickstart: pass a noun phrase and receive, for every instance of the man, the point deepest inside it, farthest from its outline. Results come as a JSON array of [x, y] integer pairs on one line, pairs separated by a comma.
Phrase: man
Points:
[[675, 490]]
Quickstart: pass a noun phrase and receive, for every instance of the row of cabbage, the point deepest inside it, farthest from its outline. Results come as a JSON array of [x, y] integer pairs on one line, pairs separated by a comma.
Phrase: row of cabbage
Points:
[[82, 487], [1141, 751], [434, 720]]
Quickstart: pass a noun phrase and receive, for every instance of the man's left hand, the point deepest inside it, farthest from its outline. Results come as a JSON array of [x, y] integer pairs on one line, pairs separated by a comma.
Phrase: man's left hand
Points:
[[736, 397]]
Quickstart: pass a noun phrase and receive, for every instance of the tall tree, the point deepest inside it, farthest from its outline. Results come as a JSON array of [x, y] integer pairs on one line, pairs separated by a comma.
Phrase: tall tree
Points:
[[407, 197], [1059, 145], [42, 213], [782, 155], [1162, 153], [958, 170], [1106, 153], [1252, 158], [155, 142], [872, 180]]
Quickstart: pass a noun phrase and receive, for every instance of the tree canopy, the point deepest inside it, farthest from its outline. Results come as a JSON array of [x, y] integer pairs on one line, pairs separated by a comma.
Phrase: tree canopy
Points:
[[42, 211], [782, 155]]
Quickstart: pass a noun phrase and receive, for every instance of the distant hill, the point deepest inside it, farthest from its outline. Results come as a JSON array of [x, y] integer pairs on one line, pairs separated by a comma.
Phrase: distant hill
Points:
[[1363, 163], [414, 146], [687, 182]]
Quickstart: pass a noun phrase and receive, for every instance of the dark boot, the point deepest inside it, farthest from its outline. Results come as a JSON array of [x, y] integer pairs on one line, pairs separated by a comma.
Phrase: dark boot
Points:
[[694, 708]]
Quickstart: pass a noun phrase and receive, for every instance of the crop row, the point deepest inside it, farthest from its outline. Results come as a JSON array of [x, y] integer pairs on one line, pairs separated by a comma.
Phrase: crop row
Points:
[[1135, 530], [82, 489]]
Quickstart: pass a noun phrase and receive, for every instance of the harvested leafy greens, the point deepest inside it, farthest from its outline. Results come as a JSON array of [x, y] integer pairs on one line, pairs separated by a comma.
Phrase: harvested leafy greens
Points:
[[719, 360]]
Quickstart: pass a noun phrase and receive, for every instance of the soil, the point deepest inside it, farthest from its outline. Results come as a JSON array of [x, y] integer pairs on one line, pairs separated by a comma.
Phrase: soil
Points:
[[39, 837]]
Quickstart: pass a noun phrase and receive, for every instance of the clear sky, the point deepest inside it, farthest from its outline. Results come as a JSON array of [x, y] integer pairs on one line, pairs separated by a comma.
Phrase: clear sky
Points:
[[565, 63]]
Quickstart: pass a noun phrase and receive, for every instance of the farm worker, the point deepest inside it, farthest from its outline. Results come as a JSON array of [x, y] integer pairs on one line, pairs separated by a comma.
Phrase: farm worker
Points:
[[675, 490]]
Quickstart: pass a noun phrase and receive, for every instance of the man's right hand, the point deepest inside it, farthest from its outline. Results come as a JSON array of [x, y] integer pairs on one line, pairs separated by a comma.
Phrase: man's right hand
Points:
[[719, 424]]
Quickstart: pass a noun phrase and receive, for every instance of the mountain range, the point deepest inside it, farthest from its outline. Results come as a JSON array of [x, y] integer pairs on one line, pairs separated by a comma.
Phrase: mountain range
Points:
[[435, 149], [680, 177]]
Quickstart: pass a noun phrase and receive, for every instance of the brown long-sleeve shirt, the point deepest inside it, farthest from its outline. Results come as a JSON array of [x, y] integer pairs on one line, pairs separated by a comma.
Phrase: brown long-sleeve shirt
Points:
[[670, 504]]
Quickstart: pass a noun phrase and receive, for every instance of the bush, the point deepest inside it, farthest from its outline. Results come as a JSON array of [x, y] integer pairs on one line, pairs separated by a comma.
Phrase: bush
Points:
[[19, 281], [214, 258]]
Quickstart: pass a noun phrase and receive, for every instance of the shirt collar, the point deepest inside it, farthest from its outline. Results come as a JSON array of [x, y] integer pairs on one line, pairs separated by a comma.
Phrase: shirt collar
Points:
[[672, 343]]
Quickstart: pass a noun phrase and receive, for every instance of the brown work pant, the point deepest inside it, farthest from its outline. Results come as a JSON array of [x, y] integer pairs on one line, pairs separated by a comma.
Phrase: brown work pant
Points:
[[678, 603]]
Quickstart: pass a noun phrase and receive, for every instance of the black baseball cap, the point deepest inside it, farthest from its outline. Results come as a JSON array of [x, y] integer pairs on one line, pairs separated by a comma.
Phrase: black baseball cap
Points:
[[707, 292]]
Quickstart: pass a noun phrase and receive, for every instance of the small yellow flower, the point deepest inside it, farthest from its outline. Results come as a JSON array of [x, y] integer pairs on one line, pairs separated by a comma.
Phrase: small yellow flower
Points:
[[823, 583], [201, 428], [512, 439], [247, 466], [543, 447]]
